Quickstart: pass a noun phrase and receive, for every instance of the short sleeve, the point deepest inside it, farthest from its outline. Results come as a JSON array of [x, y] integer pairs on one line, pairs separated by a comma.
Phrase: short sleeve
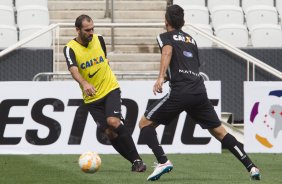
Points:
[[70, 56], [163, 40], [103, 45]]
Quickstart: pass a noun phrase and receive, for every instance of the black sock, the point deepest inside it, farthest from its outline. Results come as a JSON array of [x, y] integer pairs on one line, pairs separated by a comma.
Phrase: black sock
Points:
[[149, 136], [117, 144], [126, 143], [231, 143]]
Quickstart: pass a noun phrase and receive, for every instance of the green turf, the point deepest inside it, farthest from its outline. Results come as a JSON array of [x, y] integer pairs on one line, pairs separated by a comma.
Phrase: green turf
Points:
[[188, 168]]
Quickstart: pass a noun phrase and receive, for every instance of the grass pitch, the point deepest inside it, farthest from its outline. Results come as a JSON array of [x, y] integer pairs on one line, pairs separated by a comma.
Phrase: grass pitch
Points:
[[188, 168]]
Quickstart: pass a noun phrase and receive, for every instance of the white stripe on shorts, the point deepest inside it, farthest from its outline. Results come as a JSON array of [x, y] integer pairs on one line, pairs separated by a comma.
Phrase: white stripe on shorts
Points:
[[158, 106]]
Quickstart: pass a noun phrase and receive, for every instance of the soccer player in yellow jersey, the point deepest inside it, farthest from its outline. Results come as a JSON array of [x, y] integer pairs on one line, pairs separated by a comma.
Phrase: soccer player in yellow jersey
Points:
[[87, 62]]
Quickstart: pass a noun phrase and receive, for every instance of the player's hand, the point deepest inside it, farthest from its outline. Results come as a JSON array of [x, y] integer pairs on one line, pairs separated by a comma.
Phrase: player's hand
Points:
[[158, 87], [88, 89]]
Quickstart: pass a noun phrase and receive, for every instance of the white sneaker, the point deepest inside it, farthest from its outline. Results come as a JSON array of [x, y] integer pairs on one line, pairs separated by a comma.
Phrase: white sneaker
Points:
[[255, 174], [160, 169]]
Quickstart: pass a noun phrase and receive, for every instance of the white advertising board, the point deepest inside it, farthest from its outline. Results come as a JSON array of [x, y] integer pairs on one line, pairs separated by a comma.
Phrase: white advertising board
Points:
[[263, 117], [46, 118]]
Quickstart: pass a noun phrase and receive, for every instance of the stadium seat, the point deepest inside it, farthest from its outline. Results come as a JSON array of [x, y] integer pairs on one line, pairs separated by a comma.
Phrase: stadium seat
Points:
[[196, 14], [190, 2], [7, 16], [249, 3], [226, 15], [32, 15], [21, 3], [200, 40], [234, 34], [44, 40], [279, 6], [214, 3], [261, 15], [266, 35], [8, 35], [6, 3]]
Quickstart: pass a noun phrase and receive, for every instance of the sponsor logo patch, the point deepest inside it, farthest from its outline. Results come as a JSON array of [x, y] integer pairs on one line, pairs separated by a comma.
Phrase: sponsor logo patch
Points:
[[187, 54], [92, 75]]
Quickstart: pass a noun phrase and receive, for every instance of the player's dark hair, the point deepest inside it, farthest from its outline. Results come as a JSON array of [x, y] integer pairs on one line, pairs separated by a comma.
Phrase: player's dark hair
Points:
[[175, 16], [80, 19]]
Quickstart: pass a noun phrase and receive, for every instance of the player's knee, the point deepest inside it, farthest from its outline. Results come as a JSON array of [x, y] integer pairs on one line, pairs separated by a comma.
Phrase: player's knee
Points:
[[110, 133], [218, 132], [144, 122], [113, 122]]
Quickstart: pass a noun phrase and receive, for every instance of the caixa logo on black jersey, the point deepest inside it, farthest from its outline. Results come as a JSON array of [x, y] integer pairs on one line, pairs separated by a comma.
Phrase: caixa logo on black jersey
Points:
[[183, 38]]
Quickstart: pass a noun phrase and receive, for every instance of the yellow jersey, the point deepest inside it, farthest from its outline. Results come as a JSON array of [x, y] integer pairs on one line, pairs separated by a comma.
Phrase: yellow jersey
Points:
[[92, 65]]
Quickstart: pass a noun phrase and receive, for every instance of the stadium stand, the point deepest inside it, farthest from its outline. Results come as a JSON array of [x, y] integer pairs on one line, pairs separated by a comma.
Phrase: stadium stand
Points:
[[32, 15], [7, 16], [261, 15], [241, 14], [135, 48], [8, 29], [130, 41], [235, 34], [7, 3], [279, 7], [190, 2], [43, 41], [249, 3], [266, 35], [215, 3], [8, 35], [138, 43], [196, 14], [23, 18], [21, 3], [226, 14]]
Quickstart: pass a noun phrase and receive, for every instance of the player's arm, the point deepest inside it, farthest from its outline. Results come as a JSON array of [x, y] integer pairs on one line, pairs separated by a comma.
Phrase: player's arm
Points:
[[88, 89], [165, 61], [197, 53], [103, 45]]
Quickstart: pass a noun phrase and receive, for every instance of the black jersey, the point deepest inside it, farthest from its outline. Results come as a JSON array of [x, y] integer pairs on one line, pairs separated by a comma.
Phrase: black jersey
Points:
[[183, 70]]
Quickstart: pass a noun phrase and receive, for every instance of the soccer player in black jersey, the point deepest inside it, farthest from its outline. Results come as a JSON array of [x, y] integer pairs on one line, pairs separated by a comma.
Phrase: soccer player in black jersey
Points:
[[87, 62], [180, 64]]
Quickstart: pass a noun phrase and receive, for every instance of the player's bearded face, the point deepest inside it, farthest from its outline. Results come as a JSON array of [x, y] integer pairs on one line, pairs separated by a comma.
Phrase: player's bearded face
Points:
[[86, 32]]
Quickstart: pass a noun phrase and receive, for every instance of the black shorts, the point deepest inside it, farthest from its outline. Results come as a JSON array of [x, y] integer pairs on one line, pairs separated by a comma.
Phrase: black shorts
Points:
[[197, 106], [108, 106]]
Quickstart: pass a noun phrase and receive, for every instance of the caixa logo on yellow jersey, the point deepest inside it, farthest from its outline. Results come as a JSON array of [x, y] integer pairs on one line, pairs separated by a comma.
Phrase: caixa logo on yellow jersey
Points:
[[92, 62]]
